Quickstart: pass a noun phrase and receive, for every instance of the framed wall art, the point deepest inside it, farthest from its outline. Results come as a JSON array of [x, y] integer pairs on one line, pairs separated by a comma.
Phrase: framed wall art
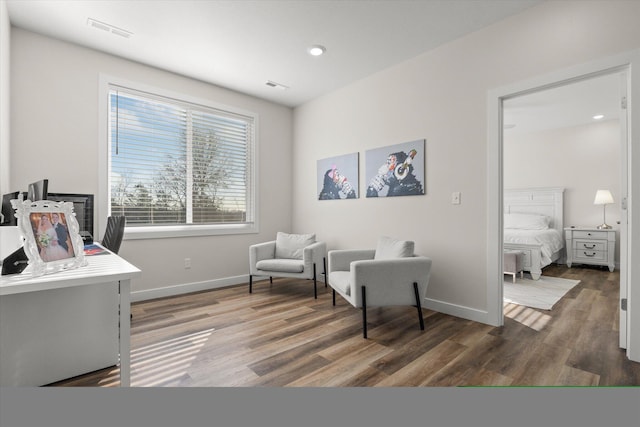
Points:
[[51, 234], [396, 170], [337, 177]]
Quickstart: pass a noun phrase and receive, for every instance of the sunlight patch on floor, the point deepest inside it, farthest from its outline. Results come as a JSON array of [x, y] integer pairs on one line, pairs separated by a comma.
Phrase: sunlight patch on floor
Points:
[[526, 316], [167, 360], [113, 380], [161, 362]]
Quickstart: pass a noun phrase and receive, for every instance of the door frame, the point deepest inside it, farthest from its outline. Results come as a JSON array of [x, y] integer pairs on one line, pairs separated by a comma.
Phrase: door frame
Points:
[[495, 181]]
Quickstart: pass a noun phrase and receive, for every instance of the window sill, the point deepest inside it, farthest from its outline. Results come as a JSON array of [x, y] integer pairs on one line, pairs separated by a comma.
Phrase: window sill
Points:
[[163, 232]]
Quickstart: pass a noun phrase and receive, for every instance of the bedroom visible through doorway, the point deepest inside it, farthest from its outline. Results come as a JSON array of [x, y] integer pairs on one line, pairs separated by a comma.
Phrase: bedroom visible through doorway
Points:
[[572, 136]]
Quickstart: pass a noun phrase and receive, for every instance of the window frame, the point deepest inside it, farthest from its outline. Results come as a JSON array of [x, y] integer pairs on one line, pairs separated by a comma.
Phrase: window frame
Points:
[[178, 230]]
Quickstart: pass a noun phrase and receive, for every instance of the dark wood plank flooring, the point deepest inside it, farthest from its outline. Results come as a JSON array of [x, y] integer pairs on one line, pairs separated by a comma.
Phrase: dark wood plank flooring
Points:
[[280, 336]]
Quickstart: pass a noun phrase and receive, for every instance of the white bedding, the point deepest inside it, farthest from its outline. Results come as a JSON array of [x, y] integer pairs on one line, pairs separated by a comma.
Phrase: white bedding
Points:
[[550, 239]]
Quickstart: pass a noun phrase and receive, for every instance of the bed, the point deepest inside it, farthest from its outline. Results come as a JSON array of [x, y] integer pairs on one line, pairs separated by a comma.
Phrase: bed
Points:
[[533, 225]]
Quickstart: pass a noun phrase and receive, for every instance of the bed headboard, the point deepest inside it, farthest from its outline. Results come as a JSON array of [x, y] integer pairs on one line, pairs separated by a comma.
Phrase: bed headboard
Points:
[[546, 201]]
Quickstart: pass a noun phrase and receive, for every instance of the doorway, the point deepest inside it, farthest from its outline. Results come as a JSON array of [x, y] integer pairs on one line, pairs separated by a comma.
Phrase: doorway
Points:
[[573, 136], [629, 247]]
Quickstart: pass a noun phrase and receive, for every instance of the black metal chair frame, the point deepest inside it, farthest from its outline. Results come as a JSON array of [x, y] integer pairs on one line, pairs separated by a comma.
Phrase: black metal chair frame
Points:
[[363, 290], [315, 283]]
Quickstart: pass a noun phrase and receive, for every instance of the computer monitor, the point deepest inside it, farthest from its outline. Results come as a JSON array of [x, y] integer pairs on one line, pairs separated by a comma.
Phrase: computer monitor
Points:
[[83, 208], [38, 190], [8, 216]]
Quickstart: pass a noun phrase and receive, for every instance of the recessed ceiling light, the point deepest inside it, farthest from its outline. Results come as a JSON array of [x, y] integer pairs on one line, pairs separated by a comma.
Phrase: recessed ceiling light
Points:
[[316, 50], [598, 116]]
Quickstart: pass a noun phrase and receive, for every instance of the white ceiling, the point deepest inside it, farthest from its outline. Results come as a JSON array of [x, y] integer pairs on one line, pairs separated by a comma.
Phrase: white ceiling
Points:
[[243, 44], [568, 105]]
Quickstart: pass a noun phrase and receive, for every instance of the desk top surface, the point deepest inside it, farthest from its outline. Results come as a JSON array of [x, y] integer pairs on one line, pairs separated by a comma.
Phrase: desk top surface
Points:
[[99, 269]]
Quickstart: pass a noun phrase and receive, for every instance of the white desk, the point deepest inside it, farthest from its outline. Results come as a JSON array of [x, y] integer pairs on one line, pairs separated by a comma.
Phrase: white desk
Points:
[[65, 324]]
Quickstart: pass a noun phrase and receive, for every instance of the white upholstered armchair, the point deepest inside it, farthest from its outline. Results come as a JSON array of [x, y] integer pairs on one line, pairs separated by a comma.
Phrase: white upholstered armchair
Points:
[[389, 275], [290, 255]]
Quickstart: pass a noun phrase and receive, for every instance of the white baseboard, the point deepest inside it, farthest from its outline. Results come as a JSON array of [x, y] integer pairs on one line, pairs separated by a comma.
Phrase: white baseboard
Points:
[[461, 311], [186, 288]]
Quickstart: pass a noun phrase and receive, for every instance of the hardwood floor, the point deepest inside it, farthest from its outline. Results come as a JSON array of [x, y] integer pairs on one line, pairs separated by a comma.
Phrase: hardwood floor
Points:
[[280, 336]]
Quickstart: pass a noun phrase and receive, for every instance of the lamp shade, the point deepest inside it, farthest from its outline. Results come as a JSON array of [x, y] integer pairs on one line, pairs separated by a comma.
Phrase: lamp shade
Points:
[[603, 197]]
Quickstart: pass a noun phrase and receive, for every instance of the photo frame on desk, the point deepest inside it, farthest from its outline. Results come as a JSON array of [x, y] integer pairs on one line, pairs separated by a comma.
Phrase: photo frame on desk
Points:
[[51, 234]]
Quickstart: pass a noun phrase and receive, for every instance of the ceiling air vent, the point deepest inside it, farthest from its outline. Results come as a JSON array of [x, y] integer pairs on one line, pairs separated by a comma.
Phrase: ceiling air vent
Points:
[[276, 85], [109, 28]]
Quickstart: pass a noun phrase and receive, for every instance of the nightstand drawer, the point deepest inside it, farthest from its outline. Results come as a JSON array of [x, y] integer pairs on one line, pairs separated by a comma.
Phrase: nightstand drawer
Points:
[[588, 255], [579, 234], [590, 245]]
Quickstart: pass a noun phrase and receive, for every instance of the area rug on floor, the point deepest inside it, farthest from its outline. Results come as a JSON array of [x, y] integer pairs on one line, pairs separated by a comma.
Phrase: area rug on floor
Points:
[[542, 293]]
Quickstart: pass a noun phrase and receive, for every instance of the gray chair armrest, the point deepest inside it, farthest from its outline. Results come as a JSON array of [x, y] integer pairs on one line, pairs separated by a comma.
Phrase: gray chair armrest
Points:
[[341, 259], [385, 278], [260, 251], [314, 253]]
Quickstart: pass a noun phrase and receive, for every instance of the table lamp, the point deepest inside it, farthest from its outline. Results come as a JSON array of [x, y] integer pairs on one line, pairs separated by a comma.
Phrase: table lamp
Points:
[[604, 198]]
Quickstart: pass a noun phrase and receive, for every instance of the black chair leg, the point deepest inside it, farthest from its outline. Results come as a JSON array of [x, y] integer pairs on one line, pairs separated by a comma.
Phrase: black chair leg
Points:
[[271, 280], [418, 305], [315, 286], [324, 265], [364, 312], [250, 284], [334, 297]]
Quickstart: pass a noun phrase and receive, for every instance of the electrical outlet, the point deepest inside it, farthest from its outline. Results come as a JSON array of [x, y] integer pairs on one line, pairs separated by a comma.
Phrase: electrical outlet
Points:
[[187, 263], [455, 198]]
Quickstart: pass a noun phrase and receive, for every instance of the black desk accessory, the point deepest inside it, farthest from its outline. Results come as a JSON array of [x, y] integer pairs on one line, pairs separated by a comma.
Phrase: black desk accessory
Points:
[[15, 263]]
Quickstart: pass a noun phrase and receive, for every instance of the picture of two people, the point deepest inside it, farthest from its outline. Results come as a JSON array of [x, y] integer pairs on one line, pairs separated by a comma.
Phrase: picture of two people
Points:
[[52, 236]]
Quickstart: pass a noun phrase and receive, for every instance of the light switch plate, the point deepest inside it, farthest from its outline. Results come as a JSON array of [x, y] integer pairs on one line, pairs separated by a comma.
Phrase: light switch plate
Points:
[[455, 198]]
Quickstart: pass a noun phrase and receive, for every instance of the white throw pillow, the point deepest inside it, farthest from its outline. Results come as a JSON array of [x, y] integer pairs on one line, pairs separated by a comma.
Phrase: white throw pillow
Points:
[[291, 245], [389, 248], [525, 221]]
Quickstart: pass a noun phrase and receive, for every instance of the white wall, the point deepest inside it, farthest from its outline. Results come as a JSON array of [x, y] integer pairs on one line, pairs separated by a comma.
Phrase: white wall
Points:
[[442, 96], [54, 122], [582, 159], [5, 43]]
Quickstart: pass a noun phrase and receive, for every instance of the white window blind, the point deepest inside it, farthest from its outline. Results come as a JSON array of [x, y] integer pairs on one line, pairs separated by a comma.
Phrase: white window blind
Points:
[[172, 162]]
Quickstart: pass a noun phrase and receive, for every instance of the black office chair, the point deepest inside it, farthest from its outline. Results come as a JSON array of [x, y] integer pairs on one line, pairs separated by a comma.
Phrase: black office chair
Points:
[[113, 235]]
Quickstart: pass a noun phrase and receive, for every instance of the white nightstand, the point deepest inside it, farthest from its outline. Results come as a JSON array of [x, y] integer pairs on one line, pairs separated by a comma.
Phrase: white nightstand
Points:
[[590, 246]]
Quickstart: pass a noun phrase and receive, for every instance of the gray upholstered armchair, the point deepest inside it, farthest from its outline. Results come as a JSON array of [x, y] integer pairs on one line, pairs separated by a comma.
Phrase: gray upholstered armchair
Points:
[[290, 255], [389, 275]]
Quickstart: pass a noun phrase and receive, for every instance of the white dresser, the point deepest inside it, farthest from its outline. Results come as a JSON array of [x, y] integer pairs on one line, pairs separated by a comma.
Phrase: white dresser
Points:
[[590, 246]]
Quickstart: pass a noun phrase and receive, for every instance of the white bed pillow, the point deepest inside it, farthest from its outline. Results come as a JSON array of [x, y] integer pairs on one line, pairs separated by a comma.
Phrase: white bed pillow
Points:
[[526, 221], [291, 246], [389, 248]]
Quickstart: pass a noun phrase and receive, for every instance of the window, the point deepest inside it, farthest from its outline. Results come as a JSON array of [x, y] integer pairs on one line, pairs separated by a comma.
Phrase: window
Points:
[[176, 165]]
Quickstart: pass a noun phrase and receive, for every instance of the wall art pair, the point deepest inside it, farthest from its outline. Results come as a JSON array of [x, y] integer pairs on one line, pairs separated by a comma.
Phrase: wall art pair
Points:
[[394, 170]]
